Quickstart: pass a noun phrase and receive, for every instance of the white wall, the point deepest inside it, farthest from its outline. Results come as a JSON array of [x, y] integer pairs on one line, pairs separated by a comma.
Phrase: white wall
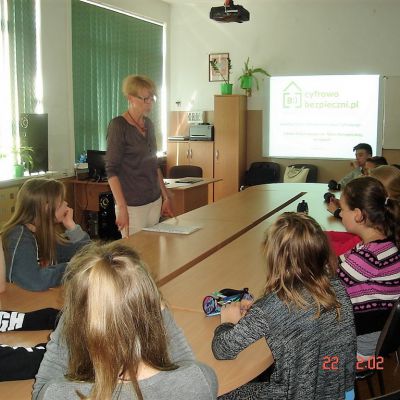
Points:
[[282, 36], [57, 70], [285, 37]]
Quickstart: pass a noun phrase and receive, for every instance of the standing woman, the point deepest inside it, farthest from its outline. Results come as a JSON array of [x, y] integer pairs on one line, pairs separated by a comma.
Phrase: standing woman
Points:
[[41, 236], [132, 168]]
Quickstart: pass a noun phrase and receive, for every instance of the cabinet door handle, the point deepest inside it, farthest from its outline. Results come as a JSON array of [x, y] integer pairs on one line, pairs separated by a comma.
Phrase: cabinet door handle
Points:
[[191, 153], [187, 153], [217, 154]]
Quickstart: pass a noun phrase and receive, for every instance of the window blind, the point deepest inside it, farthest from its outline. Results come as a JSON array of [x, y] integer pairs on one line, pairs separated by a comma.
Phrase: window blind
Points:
[[18, 70], [106, 47]]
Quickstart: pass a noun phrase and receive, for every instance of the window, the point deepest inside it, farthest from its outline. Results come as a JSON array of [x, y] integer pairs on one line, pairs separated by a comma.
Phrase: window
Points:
[[20, 71], [106, 47]]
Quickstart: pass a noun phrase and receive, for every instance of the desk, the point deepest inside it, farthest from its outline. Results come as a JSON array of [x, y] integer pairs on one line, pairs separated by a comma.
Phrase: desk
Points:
[[187, 197], [226, 252], [240, 263], [169, 255]]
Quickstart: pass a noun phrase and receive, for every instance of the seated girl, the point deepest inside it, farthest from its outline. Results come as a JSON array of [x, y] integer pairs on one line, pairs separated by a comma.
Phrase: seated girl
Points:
[[371, 270], [344, 241], [41, 236], [116, 337], [305, 316]]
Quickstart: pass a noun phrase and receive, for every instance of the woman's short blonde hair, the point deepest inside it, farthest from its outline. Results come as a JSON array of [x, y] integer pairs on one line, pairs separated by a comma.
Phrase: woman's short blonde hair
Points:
[[133, 83]]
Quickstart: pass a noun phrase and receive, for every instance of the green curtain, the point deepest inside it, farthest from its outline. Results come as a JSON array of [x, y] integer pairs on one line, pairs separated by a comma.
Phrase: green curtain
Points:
[[106, 47], [18, 25]]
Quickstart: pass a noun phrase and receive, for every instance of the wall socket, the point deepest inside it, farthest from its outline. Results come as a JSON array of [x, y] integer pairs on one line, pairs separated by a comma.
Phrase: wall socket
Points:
[[195, 117]]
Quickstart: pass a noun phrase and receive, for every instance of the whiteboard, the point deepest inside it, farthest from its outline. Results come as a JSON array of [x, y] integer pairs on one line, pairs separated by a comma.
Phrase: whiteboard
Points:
[[391, 112]]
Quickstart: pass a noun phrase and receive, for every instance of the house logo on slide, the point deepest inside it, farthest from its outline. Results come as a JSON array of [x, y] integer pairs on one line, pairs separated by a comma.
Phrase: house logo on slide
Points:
[[292, 96]]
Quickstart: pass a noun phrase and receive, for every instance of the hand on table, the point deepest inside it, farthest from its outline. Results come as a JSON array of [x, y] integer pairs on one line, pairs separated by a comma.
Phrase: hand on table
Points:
[[333, 205], [233, 312]]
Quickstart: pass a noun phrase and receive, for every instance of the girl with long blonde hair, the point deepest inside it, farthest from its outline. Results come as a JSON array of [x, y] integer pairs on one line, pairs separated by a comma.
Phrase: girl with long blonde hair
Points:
[[41, 236], [116, 338], [304, 315]]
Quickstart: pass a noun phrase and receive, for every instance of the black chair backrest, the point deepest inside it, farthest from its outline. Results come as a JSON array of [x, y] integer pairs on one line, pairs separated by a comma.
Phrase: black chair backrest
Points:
[[183, 171], [262, 172], [312, 173], [389, 339]]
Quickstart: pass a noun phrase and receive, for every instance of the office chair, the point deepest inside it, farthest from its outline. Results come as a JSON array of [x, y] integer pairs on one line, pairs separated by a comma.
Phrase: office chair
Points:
[[312, 171], [183, 171], [262, 172], [388, 342]]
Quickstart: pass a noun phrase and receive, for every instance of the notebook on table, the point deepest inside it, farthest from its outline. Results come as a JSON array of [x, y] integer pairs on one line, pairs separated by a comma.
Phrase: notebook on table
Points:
[[169, 228]]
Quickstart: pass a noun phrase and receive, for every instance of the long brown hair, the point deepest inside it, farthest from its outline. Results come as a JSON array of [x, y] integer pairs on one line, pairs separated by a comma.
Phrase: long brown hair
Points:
[[113, 318], [379, 211], [300, 263], [36, 204]]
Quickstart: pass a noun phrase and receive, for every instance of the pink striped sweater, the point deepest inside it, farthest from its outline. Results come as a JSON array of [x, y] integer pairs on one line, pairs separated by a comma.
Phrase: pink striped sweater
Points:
[[371, 275]]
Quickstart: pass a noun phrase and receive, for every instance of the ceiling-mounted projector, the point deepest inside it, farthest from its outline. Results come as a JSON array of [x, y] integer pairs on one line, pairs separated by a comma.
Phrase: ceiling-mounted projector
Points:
[[229, 13]]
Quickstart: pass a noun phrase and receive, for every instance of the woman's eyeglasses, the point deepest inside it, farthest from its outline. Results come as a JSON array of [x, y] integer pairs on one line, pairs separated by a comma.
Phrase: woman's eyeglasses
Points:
[[147, 100]]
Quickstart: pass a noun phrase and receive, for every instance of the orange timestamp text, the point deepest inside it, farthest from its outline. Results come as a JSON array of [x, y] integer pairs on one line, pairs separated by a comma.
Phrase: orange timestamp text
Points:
[[331, 363]]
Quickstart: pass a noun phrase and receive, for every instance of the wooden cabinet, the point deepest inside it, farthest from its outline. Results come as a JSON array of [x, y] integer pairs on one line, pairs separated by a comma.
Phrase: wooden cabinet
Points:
[[192, 153], [200, 153], [177, 154], [229, 144]]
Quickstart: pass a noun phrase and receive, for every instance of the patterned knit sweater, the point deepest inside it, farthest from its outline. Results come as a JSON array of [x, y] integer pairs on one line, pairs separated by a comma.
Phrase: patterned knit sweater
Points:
[[303, 348], [371, 274]]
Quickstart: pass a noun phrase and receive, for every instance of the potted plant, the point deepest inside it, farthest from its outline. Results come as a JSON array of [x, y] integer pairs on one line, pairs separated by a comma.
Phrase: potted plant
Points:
[[246, 79], [23, 160], [226, 87]]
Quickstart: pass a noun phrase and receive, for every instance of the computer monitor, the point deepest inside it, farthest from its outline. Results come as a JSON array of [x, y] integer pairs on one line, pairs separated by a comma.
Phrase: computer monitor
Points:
[[96, 160]]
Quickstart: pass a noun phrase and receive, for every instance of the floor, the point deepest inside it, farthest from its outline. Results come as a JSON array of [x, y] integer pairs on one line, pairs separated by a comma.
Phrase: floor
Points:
[[391, 379]]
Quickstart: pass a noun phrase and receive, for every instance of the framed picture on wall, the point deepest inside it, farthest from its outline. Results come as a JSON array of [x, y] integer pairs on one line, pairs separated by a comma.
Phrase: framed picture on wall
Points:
[[222, 64]]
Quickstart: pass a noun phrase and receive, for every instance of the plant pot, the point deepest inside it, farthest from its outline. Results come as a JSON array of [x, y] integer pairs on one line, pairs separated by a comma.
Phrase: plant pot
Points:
[[226, 88], [18, 171], [246, 83]]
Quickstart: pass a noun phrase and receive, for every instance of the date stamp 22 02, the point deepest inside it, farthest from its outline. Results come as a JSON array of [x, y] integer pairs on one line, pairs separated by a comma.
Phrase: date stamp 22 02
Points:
[[332, 363]]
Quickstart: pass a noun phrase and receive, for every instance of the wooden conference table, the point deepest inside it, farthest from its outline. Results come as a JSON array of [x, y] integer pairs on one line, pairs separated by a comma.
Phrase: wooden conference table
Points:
[[226, 252]]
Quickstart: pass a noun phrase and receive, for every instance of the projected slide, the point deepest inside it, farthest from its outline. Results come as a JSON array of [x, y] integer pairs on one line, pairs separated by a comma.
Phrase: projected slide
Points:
[[321, 116]]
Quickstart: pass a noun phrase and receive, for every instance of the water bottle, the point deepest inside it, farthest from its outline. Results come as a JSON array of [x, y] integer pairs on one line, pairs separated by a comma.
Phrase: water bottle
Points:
[[302, 207], [82, 158]]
